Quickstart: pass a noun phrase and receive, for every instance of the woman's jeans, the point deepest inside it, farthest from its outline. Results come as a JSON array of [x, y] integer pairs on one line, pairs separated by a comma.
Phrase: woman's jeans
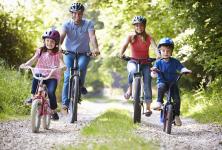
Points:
[[175, 95], [51, 85], [83, 62], [145, 70]]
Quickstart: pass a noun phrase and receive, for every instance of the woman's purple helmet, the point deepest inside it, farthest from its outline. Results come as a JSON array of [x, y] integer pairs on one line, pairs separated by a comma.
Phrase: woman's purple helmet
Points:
[[52, 34]]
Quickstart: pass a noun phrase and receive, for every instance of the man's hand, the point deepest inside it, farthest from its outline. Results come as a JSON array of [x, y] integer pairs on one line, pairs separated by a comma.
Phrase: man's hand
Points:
[[95, 53]]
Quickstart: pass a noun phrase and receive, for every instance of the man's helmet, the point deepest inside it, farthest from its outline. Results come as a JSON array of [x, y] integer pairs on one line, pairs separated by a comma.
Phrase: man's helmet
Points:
[[139, 19], [76, 7], [166, 42], [52, 34]]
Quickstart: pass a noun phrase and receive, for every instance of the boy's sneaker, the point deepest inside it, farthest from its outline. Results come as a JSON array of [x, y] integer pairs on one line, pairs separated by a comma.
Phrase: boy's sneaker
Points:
[[55, 116], [157, 106], [178, 121], [28, 101]]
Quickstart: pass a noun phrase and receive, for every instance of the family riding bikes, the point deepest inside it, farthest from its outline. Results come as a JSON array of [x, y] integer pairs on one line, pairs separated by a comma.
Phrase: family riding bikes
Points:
[[49, 63], [165, 68]]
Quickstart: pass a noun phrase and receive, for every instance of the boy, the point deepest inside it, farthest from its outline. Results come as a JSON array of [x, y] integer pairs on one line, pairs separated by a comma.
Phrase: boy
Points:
[[166, 69]]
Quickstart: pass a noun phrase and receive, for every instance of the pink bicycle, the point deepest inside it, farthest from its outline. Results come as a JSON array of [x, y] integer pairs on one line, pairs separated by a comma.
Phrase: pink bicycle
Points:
[[40, 104]]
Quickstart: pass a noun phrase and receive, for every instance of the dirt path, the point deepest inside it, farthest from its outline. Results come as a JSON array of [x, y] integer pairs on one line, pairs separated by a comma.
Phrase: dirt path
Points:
[[17, 134]]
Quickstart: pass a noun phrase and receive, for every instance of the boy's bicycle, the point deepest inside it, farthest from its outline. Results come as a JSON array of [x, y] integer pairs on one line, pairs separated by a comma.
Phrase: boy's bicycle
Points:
[[167, 111], [40, 103], [137, 88], [74, 93]]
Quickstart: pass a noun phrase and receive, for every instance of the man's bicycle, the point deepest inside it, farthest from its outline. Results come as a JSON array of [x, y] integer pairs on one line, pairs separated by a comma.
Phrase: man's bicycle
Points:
[[74, 93], [167, 111], [40, 104], [137, 88]]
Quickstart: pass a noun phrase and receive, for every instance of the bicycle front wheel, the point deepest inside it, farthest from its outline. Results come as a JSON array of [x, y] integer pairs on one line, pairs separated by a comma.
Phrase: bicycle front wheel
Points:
[[74, 99], [136, 98], [36, 115], [169, 119], [46, 119]]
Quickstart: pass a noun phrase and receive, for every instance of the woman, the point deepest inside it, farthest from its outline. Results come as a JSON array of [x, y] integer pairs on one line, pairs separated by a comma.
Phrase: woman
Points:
[[140, 42]]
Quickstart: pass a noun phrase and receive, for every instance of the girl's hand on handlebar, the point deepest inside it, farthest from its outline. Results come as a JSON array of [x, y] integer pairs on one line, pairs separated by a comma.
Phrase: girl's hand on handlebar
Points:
[[24, 65]]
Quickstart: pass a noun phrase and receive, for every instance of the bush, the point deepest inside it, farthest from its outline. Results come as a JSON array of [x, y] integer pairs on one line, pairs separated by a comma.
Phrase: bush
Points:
[[13, 90], [204, 105], [16, 41]]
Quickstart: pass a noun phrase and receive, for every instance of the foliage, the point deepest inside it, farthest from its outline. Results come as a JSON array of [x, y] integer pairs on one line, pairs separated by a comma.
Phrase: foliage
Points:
[[205, 18], [14, 89], [204, 105], [15, 38]]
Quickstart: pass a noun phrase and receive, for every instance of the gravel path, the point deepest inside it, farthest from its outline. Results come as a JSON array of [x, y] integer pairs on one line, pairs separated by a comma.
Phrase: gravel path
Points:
[[17, 135], [191, 135]]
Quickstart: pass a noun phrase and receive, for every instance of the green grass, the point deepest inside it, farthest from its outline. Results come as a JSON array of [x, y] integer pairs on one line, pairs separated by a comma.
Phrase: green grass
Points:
[[110, 124], [113, 130], [204, 106], [14, 88]]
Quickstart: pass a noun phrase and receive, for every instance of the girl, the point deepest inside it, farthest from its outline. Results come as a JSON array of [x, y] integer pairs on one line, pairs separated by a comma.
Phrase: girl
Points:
[[140, 43], [48, 57]]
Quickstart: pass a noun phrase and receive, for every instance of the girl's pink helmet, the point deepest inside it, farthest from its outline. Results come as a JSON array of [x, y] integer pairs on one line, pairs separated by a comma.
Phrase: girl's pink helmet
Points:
[[52, 34]]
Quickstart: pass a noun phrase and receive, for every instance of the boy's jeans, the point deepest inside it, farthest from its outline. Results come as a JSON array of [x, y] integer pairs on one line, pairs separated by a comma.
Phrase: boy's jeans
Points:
[[163, 88], [83, 62], [132, 67]]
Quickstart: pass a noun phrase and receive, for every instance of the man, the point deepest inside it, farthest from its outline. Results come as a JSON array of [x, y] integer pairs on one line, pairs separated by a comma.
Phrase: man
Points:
[[77, 33]]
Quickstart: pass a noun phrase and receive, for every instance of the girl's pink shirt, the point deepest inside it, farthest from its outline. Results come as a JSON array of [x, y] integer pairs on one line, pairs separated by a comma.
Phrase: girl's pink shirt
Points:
[[48, 60], [139, 48]]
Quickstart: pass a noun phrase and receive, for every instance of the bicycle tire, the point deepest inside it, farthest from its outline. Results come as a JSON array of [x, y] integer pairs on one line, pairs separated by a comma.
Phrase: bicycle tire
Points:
[[46, 119], [35, 115], [74, 99], [136, 98], [169, 119]]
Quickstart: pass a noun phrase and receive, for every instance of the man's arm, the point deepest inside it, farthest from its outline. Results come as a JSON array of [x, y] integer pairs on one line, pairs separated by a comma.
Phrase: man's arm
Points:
[[62, 37], [94, 42]]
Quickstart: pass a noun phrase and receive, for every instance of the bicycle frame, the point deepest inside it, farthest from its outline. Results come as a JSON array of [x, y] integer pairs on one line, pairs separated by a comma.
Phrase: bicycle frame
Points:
[[137, 88], [167, 114], [74, 85]]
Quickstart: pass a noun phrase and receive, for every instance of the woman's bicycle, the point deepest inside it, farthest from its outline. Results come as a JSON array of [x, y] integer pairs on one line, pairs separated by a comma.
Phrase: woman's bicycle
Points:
[[74, 93], [167, 111], [137, 88], [40, 104]]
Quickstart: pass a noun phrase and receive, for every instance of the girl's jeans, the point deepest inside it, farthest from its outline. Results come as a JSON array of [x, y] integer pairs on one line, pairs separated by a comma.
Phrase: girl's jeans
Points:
[[83, 62], [51, 85], [145, 69], [163, 88]]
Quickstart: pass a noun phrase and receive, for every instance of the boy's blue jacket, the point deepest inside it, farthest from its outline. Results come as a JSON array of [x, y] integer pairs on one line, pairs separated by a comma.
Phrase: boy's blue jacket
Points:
[[169, 69]]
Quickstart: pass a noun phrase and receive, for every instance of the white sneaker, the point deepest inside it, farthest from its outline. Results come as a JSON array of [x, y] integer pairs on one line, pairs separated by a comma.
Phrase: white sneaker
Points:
[[157, 106], [178, 121]]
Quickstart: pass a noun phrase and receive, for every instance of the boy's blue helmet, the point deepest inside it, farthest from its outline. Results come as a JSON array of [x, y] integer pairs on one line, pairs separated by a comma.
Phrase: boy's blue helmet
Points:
[[166, 42]]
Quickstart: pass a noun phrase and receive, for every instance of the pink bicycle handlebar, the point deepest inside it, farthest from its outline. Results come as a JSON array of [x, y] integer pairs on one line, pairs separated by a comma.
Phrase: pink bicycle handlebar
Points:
[[41, 78]]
